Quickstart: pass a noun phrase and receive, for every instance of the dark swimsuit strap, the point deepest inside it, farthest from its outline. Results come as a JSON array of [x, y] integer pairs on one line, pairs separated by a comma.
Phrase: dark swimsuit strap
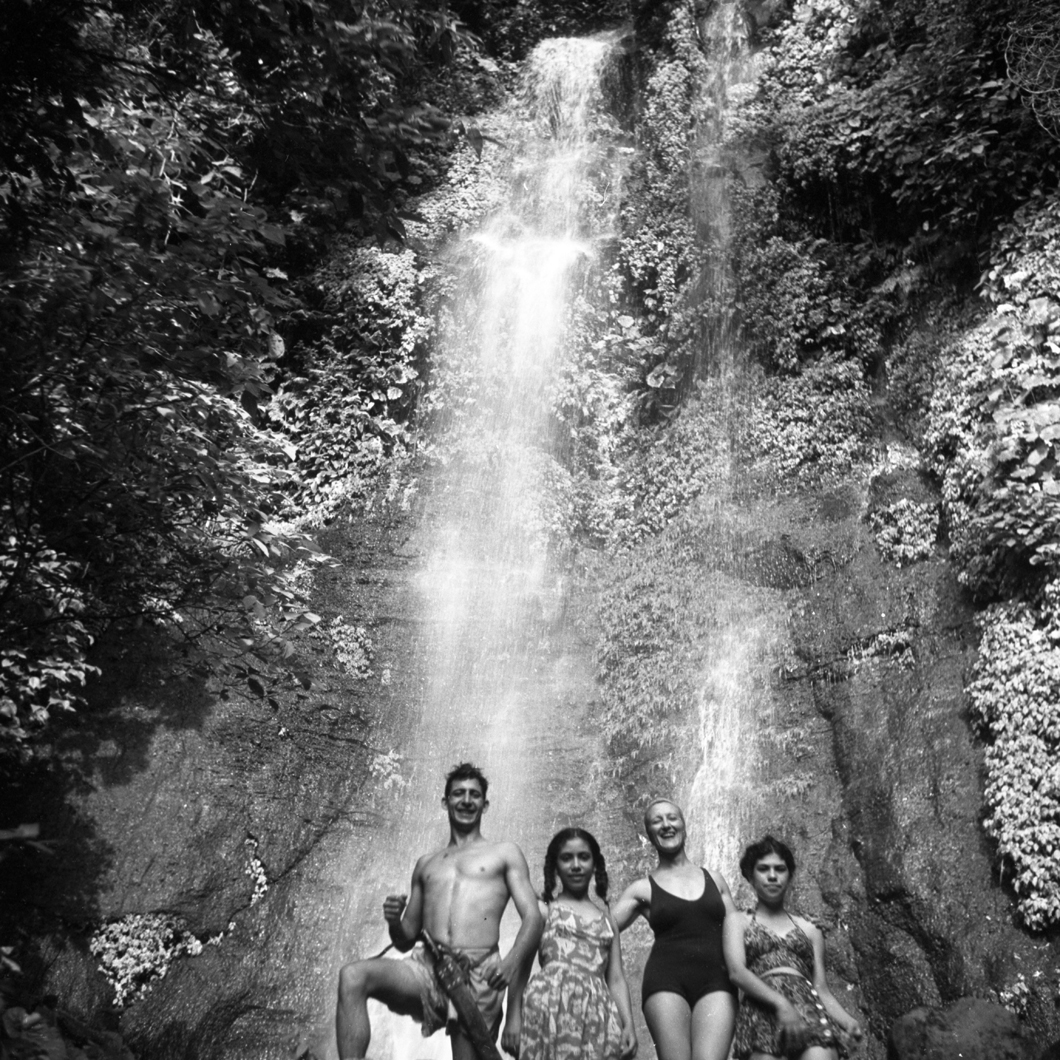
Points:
[[708, 880]]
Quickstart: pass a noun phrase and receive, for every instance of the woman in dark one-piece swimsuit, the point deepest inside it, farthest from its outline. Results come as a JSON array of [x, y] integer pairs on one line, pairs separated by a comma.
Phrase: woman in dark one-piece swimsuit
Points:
[[689, 1002]]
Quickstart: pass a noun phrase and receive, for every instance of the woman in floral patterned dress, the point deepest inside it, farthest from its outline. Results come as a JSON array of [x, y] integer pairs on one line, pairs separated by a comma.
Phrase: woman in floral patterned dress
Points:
[[777, 960], [577, 1006]]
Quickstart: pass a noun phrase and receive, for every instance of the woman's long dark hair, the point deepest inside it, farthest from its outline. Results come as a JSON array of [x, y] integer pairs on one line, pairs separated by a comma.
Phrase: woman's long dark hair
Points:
[[552, 857]]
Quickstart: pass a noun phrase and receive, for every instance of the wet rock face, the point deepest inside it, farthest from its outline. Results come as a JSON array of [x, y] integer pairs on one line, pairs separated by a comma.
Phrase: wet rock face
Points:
[[969, 1029], [163, 794], [869, 769], [887, 653]]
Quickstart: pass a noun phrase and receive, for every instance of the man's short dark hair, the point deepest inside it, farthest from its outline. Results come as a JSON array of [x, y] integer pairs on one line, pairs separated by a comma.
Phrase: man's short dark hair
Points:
[[466, 771]]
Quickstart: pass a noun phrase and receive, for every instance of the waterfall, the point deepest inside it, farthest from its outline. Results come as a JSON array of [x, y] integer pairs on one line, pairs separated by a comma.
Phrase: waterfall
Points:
[[499, 686], [504, 680], [733, 696]]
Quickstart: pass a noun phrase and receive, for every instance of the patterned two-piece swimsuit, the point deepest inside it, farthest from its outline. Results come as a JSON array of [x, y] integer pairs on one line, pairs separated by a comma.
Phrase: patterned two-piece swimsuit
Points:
[[785, 963]]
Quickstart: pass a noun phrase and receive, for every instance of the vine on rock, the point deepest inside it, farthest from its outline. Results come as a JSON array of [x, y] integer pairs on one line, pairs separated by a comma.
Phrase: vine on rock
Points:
[[808, 428], [659, 256], [137, 950], [906, 530], [992, 434], [1015, 696]]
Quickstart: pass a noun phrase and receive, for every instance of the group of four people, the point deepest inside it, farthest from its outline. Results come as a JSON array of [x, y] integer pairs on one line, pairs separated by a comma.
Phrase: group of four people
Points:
[[577, 1007]]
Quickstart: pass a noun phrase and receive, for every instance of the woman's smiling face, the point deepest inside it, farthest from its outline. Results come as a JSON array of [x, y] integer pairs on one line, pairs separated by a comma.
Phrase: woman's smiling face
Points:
[[665, 825]]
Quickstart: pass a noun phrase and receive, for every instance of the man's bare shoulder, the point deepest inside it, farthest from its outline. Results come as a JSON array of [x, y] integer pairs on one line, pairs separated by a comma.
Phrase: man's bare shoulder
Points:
[[479, 849], [511, 852], [425, 860]]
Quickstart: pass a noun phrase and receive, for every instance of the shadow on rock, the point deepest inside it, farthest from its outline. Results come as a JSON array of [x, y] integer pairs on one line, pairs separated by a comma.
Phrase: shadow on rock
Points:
[[969, 1028], [49, 891], [144, 685], [190, 1015], [56, 880]]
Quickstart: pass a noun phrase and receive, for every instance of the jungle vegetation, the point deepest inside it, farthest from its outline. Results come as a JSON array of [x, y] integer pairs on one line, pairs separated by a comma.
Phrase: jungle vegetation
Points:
[[173, 171]]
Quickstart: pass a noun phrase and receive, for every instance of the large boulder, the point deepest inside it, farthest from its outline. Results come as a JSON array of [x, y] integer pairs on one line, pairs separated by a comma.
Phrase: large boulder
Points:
[[969, 1029]]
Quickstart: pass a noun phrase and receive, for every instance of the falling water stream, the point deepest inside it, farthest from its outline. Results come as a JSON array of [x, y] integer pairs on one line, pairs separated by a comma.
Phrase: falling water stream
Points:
[[503, 684], [733, 695], [500, 686]]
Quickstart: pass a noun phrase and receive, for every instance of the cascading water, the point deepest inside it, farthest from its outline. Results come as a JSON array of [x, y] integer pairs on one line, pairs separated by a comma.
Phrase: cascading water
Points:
[[728, 66], [502, 684], [733, 696], [498, 686]]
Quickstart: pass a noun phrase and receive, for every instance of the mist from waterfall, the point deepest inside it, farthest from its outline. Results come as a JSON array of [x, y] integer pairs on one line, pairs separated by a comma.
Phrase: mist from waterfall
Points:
[[733, 697], [496, 686], [497, 680]]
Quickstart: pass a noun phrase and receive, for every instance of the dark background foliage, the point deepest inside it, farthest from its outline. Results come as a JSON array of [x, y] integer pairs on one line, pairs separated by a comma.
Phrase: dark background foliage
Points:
[[181, 381]]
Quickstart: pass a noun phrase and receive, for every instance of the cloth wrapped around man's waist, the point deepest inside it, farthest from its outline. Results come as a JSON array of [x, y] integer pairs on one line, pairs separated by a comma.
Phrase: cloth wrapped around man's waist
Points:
[[454, 990]]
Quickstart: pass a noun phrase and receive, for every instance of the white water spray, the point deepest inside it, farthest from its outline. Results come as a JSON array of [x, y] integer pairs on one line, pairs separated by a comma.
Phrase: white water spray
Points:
[[496, 685], [733, 696]]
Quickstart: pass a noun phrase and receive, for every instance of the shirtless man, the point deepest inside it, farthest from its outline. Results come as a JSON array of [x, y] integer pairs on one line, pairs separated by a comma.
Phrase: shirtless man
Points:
[[458, 895]]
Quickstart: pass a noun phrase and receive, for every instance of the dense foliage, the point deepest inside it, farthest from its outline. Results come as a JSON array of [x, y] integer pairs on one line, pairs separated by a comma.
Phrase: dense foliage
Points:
[[908, 155], [888, 158], [1014, 697], [163, 172], [900, 119]]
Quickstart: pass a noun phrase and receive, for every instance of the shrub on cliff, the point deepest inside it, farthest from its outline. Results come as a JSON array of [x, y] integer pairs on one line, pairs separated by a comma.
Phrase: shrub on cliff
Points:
[[346, 402], [992, 431], [806, 429], [798, 297], [663, 471], [1014, 695], [991, 439]]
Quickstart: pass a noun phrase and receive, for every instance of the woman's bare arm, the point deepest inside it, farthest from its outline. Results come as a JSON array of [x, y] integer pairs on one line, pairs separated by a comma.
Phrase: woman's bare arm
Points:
[[820, 982], [619, 988], [723, 890], [633, 902]]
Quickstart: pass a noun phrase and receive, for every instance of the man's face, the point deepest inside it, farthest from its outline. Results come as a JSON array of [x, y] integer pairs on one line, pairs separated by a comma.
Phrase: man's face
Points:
[[465, 803]]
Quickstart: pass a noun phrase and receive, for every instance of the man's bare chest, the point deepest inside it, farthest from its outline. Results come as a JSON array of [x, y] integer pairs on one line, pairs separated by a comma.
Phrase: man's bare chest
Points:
[[447, 869]]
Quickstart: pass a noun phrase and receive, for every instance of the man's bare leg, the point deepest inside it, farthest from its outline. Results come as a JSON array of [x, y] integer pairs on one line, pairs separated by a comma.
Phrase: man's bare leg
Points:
[[392, 982]]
